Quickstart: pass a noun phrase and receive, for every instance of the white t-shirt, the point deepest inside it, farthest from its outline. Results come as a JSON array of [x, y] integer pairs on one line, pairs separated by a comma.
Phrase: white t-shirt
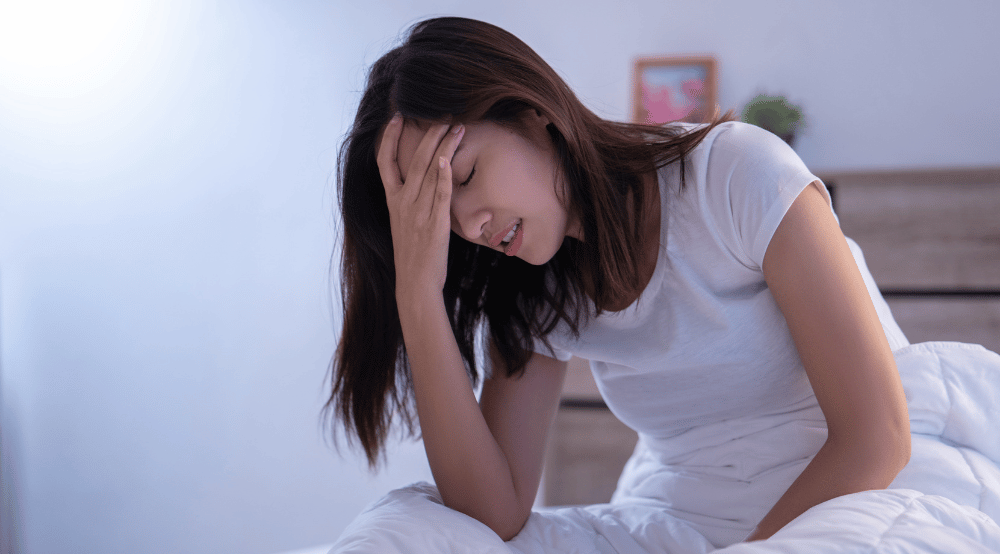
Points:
[[705, 341]]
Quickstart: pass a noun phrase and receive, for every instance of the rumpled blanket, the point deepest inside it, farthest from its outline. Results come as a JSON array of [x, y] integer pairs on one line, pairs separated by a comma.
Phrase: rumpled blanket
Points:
[[945, 501]]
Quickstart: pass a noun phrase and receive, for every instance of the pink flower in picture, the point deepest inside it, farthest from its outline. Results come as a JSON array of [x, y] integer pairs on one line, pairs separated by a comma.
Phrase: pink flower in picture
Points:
[[661, 106], [674, 89], [693, 89]]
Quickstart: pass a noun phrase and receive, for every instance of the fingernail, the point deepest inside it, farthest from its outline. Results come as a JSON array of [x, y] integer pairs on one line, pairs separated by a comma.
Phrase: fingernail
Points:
[[395, 117], [458, 129], [441, 162]]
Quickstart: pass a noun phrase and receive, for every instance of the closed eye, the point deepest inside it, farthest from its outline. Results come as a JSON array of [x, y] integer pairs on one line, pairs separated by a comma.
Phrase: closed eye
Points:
[[466, 182]]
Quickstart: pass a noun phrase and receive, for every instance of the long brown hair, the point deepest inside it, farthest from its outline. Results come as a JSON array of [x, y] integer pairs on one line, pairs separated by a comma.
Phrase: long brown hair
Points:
[[474, 71]]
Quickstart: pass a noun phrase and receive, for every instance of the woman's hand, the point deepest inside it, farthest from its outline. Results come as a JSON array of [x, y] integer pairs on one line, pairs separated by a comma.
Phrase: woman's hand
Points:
[[419, 205]]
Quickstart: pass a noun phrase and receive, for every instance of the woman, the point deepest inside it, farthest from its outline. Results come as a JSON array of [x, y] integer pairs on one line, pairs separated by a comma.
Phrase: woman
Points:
[[694, 265]]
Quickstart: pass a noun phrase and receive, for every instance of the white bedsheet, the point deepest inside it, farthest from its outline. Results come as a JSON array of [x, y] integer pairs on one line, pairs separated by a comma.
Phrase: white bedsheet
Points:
[[946, 501]]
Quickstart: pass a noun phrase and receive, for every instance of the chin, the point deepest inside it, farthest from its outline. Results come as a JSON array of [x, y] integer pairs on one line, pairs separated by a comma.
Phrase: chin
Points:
[[533, 260]]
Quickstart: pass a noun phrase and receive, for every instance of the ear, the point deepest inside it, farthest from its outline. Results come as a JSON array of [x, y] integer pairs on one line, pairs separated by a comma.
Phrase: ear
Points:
[[534, 118], [541, 118]]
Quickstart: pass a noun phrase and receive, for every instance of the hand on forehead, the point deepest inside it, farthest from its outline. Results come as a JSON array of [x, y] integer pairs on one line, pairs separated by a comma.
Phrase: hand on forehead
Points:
[[412, 133]]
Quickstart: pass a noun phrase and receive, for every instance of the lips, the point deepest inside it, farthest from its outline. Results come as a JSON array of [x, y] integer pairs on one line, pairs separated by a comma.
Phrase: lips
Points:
[[499, 235], [515, 243]]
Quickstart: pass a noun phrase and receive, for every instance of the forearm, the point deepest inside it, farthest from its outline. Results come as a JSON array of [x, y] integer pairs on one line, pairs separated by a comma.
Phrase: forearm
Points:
[[836, 470], [470, 469]]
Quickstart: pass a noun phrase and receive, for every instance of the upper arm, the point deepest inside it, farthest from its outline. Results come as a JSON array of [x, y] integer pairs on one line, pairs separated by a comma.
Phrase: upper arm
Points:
[[519, 413], [816, 283]]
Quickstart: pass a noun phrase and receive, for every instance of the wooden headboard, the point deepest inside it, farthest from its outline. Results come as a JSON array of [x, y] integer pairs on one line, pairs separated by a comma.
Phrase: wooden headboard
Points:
[[931, 239]]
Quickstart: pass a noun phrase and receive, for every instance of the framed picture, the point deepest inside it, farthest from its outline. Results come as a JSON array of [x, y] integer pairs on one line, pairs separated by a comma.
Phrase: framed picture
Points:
[[673, 89]]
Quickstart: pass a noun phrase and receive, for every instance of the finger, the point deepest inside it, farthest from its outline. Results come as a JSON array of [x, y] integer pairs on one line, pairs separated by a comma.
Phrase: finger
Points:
[[388, 151], [441, 210], [445, 149], [423, 166]]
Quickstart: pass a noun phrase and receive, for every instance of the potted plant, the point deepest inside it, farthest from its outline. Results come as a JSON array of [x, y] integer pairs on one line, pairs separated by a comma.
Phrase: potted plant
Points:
[[774, 113]]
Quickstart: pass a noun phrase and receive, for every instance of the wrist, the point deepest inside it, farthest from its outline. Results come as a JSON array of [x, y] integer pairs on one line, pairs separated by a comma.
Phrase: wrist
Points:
[[416, 301]]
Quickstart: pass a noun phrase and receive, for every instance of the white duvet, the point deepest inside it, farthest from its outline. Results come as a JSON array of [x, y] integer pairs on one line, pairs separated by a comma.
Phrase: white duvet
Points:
[[946, 500]]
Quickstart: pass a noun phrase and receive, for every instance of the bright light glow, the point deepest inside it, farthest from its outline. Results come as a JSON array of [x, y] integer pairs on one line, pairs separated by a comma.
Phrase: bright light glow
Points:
[[65, 48]]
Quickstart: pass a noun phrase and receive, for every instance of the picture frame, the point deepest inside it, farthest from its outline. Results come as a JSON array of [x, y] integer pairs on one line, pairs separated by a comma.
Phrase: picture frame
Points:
[[666, 89]]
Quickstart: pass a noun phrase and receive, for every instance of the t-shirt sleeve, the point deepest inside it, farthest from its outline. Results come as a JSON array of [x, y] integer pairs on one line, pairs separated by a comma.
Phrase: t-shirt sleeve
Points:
[[555, 352], [753, 178]]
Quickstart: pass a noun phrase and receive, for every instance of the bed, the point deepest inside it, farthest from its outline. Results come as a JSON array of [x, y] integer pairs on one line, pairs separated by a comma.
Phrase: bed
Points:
[[940, 222], [953, 392]]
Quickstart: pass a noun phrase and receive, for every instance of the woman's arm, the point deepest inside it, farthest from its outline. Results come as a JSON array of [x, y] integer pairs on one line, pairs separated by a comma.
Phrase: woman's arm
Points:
[[486, 463], [491, 479], [817, 285], [520, 412]]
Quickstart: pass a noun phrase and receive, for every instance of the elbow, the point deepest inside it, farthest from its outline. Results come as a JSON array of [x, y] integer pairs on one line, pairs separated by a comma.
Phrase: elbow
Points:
[[891, 445], [510, 527], [896, 445], [877, 458], [505, 523], [903, 449], [891, 453], [509, 534], [895, 455]]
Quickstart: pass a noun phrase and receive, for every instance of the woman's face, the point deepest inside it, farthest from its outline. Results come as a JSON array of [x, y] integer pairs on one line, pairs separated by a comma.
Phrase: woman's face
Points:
[[514, 179]]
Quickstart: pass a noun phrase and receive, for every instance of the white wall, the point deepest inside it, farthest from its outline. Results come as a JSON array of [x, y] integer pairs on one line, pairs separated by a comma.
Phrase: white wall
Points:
[[166, 227]]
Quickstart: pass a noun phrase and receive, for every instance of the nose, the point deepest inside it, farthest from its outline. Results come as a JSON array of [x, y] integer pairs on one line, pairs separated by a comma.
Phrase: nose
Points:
[[469, 223]]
